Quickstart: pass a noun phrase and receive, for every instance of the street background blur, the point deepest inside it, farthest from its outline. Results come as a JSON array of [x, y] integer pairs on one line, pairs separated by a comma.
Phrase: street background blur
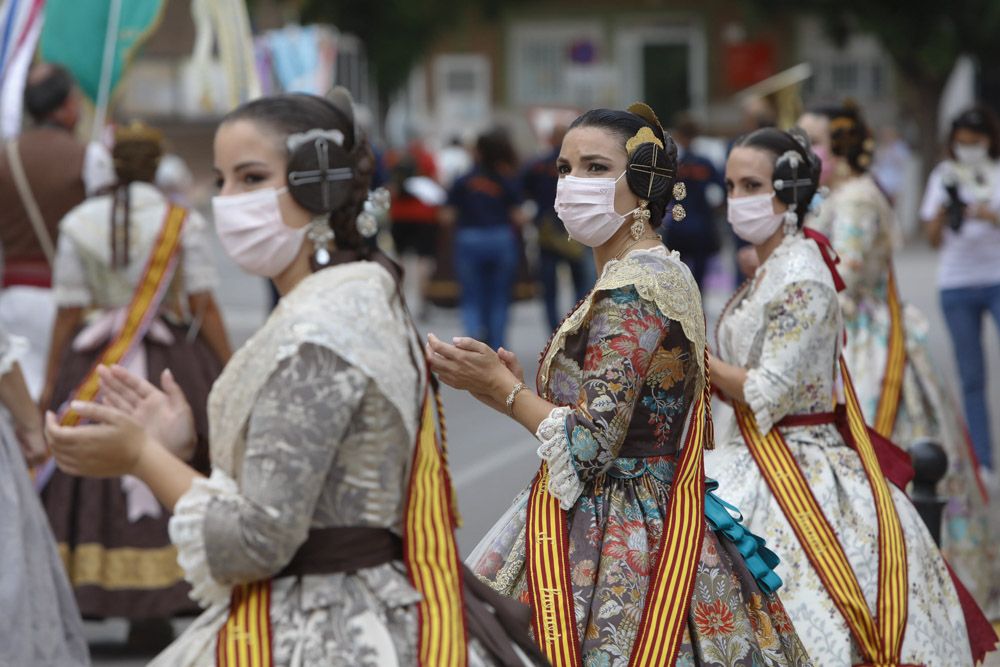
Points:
[[428, 78]]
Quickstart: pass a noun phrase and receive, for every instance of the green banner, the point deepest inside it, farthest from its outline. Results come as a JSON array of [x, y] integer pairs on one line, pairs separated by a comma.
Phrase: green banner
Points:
[[75, 31]]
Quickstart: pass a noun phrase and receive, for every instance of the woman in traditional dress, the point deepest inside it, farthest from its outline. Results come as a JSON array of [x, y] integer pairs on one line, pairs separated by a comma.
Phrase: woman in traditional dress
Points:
[[617, 546], [133, 279], [293, 543], [39, 621], [864, 582], [887, 347]]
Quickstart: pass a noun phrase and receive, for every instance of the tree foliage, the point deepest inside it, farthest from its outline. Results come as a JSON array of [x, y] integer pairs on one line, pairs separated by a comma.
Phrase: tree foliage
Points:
[[924, 38], [396, 33]]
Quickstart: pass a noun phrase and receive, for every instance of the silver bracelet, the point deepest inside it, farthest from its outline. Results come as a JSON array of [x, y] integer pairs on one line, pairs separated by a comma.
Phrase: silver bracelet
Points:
[[518, 388]]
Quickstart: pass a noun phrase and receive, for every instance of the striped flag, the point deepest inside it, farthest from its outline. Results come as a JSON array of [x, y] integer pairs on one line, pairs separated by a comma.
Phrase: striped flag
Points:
[[20, 27]]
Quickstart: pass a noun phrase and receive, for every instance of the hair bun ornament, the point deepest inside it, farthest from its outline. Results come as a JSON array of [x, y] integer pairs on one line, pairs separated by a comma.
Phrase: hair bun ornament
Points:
[[680, 191], [376, 205], [678, 213], [320, 171], [645, 112]]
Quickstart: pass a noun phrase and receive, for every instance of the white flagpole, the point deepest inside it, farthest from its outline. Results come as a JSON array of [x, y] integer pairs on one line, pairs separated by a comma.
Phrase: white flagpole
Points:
[[107, 67]]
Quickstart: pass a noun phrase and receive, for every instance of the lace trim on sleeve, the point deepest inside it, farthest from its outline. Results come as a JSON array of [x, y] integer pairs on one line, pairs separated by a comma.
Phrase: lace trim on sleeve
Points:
[[564, 483], [12, 349], [187, 532], [758, 401]]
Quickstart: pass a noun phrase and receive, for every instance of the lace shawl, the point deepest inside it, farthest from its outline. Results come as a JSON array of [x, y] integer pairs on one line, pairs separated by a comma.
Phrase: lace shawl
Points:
[[351, 309], [658, 276]]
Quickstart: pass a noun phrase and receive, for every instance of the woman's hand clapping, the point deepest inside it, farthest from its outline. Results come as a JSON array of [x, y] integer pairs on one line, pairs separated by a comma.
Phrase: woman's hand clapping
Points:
[[165, 414], [473, 366]]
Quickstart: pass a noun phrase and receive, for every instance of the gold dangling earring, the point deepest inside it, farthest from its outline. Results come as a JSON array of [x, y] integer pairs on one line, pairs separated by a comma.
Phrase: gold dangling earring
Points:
[[640, 218]]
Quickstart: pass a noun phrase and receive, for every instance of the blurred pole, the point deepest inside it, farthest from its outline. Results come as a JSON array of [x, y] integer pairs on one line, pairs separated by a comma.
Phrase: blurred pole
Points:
[[107, 69], [930, 464]]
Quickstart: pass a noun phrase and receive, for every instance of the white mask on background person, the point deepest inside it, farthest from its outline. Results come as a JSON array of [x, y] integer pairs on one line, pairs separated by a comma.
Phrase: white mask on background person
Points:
[[753, 218], [587, 207], [971, 155], [252, 232]]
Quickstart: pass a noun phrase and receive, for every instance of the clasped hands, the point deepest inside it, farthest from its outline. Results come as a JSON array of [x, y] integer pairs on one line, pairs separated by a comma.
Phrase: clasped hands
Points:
[[131, 417], [473, 366]]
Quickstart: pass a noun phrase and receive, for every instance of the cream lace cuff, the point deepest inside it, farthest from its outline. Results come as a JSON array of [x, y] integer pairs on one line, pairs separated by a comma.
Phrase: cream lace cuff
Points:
[[564, 483], [187, 532], [758, 401], [16, 348]]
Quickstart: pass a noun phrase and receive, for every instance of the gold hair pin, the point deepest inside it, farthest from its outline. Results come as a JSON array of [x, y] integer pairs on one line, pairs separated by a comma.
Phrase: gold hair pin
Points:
[[645, 135]]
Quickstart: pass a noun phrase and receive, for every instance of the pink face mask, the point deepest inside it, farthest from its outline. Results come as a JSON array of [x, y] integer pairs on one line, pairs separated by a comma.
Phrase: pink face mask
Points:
[[253, 234], [826, 163], [753, 218]]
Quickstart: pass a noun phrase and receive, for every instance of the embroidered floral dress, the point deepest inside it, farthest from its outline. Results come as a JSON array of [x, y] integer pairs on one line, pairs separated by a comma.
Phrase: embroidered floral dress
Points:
[[784, 327], [861, 225], [626, 367]]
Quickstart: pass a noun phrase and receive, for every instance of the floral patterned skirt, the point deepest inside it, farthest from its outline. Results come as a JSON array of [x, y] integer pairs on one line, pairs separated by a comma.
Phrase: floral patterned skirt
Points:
[[936, 634], [615, 529], [927, 410]]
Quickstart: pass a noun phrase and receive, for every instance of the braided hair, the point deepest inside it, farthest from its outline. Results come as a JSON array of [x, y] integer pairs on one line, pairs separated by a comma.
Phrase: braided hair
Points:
[[656, 189], [136, 156], [299, 113]]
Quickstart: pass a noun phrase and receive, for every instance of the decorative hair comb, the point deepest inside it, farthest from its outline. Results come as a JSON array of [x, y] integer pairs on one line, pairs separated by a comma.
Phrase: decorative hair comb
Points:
[[301, 138]]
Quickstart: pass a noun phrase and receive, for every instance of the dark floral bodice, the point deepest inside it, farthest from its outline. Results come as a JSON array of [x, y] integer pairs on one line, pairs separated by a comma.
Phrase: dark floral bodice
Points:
[[630, 374]]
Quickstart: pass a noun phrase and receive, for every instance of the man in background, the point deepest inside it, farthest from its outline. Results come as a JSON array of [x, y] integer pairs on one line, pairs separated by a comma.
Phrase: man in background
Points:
[[43, 174], [696, 237], [538, 184]]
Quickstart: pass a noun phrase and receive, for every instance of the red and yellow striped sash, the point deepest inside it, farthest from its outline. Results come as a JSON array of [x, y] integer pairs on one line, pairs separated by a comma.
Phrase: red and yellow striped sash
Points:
[[431, 557], [141, 310], [879, 639], [668, 597], [245, 638], [895, 365], [547, 552], [429, 547]]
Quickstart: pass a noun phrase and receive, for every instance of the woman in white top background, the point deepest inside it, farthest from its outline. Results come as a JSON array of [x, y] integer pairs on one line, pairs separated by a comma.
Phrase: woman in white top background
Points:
[[961, 210]]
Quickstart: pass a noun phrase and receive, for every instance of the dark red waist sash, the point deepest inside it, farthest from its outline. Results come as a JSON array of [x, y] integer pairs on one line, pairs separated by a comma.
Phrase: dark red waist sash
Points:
[[27, 273], [894, 461]]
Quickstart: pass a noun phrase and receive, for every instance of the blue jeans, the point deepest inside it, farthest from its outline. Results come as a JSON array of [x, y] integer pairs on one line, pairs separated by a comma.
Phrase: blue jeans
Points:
[[582, 270], [486, 260], [964, 309]]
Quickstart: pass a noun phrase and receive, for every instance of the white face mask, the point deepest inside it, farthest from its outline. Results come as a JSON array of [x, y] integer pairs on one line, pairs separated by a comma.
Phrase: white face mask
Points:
[[252, 233], [753, 218], [971, 154], [587, 208]]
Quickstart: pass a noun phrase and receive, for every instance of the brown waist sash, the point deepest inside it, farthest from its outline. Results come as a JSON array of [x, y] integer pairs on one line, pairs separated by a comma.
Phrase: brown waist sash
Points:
[[344, 549], [492, 619]]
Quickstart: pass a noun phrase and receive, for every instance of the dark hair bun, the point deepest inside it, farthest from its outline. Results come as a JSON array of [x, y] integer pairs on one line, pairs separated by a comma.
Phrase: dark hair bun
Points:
[[651, 172], [796, 167], [320, 175]]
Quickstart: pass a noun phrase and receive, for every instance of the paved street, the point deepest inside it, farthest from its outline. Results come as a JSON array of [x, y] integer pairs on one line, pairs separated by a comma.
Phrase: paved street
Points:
[[492, 458]]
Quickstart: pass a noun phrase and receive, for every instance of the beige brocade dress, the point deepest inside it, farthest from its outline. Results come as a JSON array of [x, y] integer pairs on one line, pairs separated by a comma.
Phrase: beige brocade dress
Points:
[[312, 426]]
